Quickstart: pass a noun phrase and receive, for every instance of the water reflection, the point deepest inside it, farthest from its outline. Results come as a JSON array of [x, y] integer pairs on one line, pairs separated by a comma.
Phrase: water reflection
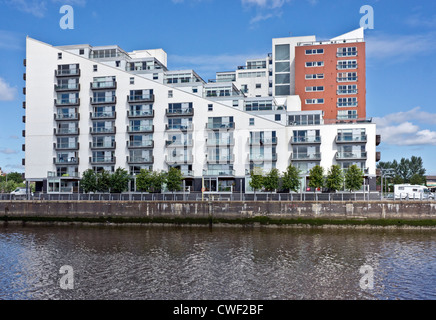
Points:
[[223, 263]]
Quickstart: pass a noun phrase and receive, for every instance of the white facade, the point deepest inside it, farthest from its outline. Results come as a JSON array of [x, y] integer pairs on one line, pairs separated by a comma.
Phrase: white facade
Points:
[[127, 110]]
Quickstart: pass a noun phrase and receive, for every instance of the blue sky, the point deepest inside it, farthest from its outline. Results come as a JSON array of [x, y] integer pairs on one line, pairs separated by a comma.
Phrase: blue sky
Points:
[[219, 35]]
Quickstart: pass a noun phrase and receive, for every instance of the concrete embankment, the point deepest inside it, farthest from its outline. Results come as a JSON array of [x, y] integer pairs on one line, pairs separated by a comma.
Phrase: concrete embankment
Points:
[[379, 213]]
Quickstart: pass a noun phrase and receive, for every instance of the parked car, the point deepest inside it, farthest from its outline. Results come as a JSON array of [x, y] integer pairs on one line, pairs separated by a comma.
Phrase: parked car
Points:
[[20, 192]]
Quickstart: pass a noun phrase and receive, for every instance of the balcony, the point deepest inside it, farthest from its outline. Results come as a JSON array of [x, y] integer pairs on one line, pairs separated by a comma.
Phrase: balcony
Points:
[[216, 158], [103, 130], [306, 140], [140, 114], [140, 144], [219, 126], [102, 160], [351, 91], [67, 87], [220, 142], [103, 100], [73, 161], [188, 127], [142, 129], [351, 139], [66, 131], [351, 156], [187, 173], [142, 98], [263, 142], [377, 140], [306, 157], [103, 85], [103, 115], [103, 145], [66, 146], [66, 116], [178, 159], [179, 112], [219, 173], [377, 156], [263, 157], [67, 73], [67, 102], [179, 143], [140, 160]]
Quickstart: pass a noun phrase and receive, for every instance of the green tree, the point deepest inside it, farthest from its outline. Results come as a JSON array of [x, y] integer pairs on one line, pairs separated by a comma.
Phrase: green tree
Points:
[[335, 178], [8, 186], [291, 179], [174, 179], [15, 176], [103, 181], [417, 179], [89, 181], [257, 178], [271, 180], [144, 180], [353, 178], [119, 181], [316, 177]]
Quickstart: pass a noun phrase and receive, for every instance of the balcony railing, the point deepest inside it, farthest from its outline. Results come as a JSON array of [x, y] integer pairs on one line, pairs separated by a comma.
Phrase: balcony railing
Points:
[[263, 142], [305, 140], [67, 87], [103, 145], [66, 161], [66, 116], [263, 157], [216, 158], [67, 102], [103, 85], [102, 160], [67, 73], [103, 100], [66, 146], [306, 157], [351, 139], [141, 98], [66, 131], [219, 173], [184, 158], [179, 112], [350, 155], [179, 143], [133, 129], [103, 115], [177, 127], [103, 130], [217, 126], [140, 160], [140, 144], [140, 114], [350, 91], [220, 142]]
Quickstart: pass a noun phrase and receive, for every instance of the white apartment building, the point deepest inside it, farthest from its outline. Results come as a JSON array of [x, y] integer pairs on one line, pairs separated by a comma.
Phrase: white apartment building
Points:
[[102, 108]]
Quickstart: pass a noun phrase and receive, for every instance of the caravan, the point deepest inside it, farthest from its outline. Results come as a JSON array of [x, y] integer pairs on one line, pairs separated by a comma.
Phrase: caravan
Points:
[[412, 192]]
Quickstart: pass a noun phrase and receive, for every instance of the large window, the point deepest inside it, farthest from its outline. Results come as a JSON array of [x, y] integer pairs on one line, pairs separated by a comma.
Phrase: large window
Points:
[[282, 52]]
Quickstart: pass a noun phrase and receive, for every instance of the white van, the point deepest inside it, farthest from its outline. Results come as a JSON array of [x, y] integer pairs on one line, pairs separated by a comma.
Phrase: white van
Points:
[[412, 192], [19, 192]]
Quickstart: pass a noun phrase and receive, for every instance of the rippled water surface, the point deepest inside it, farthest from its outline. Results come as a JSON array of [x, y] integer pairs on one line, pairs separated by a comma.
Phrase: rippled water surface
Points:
[[224, 263]]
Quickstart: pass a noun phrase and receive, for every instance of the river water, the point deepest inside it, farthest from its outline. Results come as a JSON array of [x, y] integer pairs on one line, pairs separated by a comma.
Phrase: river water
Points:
[[198, 263]]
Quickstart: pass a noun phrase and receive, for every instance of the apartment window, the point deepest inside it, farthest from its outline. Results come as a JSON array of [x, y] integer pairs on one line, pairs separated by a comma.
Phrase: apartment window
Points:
[[278, 117], [210, 107], [313, 89], [347, 77], [117, 63], [251, 122], [347, 114], [314, 101], [350, 89], [82, 52], [170, 93], [314, 76], [155, 76], [283, 67], [347, 52], [282, 52], [258, 85], [347, 64], [347, 102], [311, 64], [194, 90], [132, 80], [59, 55], [283, 78], [95, 68], [235, 103], [315, 51]]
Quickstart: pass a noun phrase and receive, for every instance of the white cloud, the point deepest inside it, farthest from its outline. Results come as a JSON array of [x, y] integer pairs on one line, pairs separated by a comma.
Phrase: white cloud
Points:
[[8, 151], [399, 48], [7, 93], [399, 128], [38, 8]]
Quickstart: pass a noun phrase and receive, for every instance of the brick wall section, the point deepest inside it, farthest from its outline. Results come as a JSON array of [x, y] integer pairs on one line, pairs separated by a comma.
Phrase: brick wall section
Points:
[[220, 210]]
